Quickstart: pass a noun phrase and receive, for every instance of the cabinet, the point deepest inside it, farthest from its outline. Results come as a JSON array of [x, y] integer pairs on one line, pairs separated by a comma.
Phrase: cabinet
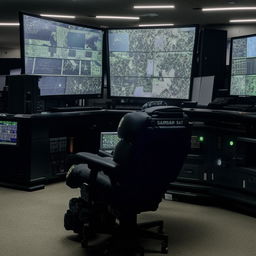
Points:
[[221, 164], [45, 140]]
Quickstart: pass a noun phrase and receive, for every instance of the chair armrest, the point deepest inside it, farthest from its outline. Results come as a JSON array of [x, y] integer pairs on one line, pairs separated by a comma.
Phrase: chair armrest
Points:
[[104, 153], [96, 161]]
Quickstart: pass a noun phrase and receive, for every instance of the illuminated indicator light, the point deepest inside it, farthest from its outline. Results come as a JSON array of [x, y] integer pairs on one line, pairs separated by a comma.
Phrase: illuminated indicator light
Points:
[[201, 138], [219, 162], [231, 143]]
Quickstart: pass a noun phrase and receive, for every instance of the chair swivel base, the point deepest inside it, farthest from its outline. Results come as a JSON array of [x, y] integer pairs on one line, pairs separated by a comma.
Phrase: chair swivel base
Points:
[[127, 242]]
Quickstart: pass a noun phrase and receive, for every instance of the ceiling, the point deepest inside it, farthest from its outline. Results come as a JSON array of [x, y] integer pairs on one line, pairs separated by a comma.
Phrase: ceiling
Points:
[[185, 12]]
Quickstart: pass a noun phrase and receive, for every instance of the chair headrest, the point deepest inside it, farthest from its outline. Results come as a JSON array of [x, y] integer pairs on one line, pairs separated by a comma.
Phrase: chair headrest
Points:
[[154, 104], [165, 111], [131, 124]]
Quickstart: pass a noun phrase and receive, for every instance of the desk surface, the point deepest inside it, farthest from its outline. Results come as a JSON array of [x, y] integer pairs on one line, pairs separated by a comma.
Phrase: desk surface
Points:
[[220, 114], [50, 115], [192, 112]]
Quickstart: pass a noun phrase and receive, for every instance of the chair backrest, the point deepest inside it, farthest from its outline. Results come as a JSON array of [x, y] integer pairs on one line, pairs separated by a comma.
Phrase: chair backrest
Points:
[[150, 153]]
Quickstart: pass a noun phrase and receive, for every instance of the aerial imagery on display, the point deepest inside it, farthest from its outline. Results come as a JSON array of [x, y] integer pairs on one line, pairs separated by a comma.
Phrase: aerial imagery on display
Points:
[[153, 62], [243, 72], [66, 55]]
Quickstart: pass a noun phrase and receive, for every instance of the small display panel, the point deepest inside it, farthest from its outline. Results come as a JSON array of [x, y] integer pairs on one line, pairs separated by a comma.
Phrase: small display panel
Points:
[[243, 66], [151, 62], [67, 56], [8, 133], [108, 141]]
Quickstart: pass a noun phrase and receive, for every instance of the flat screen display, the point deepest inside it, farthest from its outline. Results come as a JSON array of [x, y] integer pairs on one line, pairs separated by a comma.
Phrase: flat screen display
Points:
[[8, 132], [67, 56], [151, 62], [108, 141], [243, 66]]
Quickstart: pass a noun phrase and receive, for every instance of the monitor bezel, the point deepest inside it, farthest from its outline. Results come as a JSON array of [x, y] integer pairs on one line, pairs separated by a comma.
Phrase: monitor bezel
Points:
[[230, 64], [193, 68], [22, 54]]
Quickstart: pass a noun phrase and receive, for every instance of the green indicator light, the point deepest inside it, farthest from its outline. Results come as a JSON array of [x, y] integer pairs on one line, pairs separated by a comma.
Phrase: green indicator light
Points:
[[231, 143], [201, 138]]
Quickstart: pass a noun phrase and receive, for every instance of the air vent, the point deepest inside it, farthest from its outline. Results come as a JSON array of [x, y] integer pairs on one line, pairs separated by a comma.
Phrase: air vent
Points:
[[149, 15]]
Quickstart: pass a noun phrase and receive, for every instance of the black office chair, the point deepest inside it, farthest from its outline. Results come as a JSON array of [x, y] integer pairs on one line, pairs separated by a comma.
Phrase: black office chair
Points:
[[149, 156]]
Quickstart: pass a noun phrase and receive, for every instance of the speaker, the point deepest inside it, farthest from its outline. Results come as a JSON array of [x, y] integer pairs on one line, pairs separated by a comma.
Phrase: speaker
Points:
[[23, 94]]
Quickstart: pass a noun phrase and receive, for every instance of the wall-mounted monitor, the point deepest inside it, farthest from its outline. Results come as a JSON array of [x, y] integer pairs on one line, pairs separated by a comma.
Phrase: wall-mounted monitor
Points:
[[151, 62], [68, 57], [8, 132], [243, 66]]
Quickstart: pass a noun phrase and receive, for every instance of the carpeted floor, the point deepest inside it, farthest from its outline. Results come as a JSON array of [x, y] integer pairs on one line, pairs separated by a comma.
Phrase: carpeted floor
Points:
[[31, 224]]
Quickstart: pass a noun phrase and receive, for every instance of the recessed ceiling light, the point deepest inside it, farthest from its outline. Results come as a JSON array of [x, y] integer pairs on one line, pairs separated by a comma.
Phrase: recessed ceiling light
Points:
[[229, 9], [156, 25], [153, 6], [9, 24], [58, 16], [117, 17], [243, 20]]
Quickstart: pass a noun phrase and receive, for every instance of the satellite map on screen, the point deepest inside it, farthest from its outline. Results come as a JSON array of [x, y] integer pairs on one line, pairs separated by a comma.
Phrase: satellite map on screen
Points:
[[109, 140], [59, 49], [8, 132], [153, 63], [243, 71]]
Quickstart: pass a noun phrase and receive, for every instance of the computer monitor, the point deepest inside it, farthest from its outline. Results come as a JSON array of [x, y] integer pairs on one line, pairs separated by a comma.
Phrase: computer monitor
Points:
[[108, 141], [8, 132], [68, 57], [151, 62], [243, 66]]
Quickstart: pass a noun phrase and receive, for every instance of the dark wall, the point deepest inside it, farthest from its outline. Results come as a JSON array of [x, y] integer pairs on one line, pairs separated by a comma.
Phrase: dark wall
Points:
[[212, 60]]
